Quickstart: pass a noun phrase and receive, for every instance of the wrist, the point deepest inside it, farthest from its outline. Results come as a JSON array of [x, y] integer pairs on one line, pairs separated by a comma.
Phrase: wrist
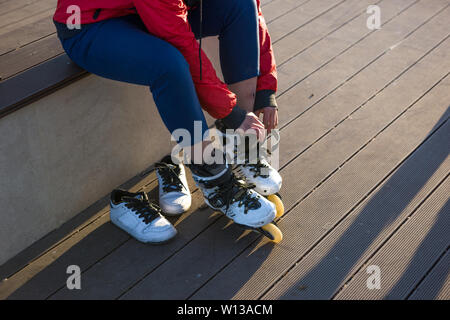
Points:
[[265, 98], [235, 118]]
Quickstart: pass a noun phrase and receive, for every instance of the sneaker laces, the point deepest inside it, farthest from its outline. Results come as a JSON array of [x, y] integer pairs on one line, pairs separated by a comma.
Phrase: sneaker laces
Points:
[[170, 175], [235, 190], [145, 209]]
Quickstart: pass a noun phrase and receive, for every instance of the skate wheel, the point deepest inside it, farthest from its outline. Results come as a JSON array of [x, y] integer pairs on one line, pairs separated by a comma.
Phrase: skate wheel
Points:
[[278, 204], [272, 232]]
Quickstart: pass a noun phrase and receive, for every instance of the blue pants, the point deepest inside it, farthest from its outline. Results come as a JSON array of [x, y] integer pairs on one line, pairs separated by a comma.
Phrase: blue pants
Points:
[[122, 49]]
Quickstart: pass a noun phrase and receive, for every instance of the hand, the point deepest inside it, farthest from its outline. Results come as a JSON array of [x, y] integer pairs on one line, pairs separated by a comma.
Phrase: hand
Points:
[[252, 125], [270, 118]]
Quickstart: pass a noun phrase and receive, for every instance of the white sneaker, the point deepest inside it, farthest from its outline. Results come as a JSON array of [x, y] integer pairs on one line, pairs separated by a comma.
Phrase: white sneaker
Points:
[[133, 213], [234, 198], [266, 179], [174, 195]]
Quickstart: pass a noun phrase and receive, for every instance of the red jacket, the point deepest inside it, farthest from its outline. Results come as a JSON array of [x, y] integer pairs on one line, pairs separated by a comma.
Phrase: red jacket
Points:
[[167, 19]]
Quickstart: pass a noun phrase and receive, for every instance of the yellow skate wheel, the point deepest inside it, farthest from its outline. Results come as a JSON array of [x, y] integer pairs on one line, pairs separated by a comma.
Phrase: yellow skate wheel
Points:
[[273, 233], [278, 204]]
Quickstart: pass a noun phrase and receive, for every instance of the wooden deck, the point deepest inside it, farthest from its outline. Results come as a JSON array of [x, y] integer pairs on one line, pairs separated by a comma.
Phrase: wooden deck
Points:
[[364, 158]]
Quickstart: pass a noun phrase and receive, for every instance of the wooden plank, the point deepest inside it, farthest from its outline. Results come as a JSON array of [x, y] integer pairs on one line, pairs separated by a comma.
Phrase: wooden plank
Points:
[[318, 29], [31, 31], [407, 256], [362, 87], [363, 84], [82, 250], [315, 63], [28, 56], [350, 244], [7, 6], [436, 285], [266, 2], [365, 52], [26, 11], [341, 17], [45, 274], [27, 21], [16, 92], [278, 8], [330, 53], [300, 16], [339, 181], [110, 274]]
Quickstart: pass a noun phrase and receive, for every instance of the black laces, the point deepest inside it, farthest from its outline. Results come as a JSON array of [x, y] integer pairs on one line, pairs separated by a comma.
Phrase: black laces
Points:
[[232, 191], [256, 169], [170, 175], [145, 210]]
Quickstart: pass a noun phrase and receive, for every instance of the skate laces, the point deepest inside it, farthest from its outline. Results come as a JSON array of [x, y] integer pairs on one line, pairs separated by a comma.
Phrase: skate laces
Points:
[[235, 190], [170, 175], [256, 167], [143, 208]]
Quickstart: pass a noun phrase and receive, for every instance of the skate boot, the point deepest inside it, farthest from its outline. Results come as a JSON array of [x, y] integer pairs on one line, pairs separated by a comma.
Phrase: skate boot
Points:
[[174, 194], [258, 171], [265, 178], [222, 191], [136, 215]]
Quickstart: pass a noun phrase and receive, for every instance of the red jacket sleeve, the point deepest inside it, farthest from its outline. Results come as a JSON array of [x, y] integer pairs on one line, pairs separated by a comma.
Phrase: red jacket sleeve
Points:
[[268, 71], [167, 19]]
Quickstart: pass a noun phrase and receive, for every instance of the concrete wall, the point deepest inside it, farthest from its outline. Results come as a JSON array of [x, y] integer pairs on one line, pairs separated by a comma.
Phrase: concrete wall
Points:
[[67, 150]]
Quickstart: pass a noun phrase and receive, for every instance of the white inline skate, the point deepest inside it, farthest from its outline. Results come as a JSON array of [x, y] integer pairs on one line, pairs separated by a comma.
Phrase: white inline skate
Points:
[[224, 192], [255, 169]]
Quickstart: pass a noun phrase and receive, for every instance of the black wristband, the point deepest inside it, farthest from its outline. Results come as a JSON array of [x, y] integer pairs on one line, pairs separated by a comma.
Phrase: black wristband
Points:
[[265, 98], [235, 118]]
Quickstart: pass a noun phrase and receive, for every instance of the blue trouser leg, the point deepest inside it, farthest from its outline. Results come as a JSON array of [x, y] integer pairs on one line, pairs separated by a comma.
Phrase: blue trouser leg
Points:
[[236, 24], [121, 49]]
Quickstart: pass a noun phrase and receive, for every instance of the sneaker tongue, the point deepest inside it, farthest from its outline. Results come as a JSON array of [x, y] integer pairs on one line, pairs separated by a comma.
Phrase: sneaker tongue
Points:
[[172, 166], [140, 196], [129, 199]]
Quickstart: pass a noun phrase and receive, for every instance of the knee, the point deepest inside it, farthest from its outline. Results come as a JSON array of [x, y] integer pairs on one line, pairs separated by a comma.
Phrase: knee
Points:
[[245, 6], [241, 12], [173, 65]]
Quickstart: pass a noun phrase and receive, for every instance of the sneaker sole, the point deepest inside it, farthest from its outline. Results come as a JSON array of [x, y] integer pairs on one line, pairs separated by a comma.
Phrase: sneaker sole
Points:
[[144, 241]]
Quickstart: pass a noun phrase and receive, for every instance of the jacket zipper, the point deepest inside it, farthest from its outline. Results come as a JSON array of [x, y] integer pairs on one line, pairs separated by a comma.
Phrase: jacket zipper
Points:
[[96, 14]]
